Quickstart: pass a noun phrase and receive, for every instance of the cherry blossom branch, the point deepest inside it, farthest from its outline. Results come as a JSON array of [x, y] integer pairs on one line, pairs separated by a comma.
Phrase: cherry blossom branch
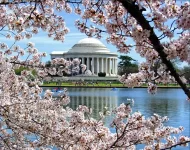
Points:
[[5, 142], [137, 14], [148, 5], [35, 6], [175, 145], [75, 2], [21, 2]]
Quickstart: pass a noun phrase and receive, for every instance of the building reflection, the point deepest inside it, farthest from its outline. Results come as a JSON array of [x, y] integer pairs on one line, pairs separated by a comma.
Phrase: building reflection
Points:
[[95, 98]]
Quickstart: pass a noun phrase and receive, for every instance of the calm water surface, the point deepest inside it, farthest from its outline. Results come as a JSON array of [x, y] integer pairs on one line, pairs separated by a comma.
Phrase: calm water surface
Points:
[[167, 102]]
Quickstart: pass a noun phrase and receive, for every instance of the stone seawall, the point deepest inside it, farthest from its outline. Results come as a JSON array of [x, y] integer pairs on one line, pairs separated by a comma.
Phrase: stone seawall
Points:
[[86, 78]]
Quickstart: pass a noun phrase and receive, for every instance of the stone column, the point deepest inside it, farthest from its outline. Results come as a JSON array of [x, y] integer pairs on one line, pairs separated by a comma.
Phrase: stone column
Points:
[[112, 65], [102, 65], [97, 65], [109, 68], [88, 63], [106, 66], [92, 65], [116, 66], [82, 60]]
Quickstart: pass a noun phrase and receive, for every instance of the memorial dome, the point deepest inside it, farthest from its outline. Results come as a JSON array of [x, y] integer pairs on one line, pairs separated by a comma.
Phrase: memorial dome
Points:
[[89, 45], [94, 54]]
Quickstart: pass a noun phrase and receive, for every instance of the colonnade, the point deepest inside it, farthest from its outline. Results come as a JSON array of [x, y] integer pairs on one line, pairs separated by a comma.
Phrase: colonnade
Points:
[[100, 64]]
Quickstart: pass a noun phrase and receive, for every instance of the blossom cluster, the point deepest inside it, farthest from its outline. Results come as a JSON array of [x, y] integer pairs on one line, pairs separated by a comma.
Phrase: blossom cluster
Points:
[[34, 119], [43, 121], [34, 58], [179, 48], [26, 20], [121, 27], [147, 75]]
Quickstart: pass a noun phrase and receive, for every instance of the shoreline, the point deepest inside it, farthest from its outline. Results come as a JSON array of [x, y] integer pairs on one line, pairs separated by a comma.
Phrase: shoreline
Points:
[[106, 86]]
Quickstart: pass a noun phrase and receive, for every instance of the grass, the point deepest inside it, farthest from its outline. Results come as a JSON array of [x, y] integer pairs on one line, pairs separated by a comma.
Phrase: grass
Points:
[[104, 84]]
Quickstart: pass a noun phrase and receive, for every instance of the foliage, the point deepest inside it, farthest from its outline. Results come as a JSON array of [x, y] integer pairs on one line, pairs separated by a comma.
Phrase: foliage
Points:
[[21, 68], [127, 65], [186, 73], [48, 64], [50, 124], [126, 61], [32, 121]]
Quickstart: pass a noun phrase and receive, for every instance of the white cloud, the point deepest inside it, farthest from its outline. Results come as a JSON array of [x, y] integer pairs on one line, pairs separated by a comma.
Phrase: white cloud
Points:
[[70, 38], [75, 34]]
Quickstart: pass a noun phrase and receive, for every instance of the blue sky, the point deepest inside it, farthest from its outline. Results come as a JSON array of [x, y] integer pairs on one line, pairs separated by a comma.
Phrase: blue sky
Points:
[[45, 44]]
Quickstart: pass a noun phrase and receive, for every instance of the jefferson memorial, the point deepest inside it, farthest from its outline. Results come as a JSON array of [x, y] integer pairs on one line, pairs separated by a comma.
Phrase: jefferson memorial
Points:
[[93, 54]]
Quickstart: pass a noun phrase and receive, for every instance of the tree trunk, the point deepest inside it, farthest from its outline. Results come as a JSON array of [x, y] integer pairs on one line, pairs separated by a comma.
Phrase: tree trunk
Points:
[[134, 10]]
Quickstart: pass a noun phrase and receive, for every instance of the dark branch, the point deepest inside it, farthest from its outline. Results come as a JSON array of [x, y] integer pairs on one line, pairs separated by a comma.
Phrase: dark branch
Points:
[[178, 144], [137, 14]]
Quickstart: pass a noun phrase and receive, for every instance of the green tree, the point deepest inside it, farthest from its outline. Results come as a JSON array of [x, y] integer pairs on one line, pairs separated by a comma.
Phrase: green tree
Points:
[[20, 69], [186, 72], [127, 65], [48, 64]]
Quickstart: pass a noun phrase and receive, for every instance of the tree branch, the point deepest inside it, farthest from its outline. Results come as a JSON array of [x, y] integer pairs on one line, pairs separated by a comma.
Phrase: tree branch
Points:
[[137, 14], [11, 2], [178, 144]]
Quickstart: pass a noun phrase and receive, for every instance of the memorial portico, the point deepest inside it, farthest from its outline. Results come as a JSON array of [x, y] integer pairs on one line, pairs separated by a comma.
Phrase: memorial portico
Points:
[[93, 54]]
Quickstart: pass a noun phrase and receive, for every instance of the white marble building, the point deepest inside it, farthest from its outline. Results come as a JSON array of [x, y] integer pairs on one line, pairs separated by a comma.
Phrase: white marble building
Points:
[[93, 54]]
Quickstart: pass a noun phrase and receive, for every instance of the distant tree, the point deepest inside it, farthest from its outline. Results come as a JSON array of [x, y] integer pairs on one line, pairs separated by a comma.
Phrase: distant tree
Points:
[[21, 68], [31, 121], [48, 64], [186, 73], [127, 65]]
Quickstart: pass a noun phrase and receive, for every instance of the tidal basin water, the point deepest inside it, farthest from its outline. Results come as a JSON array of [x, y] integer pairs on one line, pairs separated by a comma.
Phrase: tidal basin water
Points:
[[167, 102]]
